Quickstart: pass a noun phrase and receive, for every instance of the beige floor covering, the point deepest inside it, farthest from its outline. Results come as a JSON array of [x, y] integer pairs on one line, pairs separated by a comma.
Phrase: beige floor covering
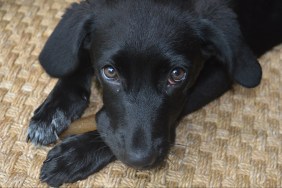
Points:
[[236, 141]]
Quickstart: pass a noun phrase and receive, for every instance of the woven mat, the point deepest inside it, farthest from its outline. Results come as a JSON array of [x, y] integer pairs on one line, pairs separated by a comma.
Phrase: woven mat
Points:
[[236, 141]]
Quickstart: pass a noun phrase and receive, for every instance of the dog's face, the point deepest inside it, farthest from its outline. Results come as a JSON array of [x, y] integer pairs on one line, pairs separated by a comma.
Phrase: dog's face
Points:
[[147, 57], [146, 69], [143, 93]]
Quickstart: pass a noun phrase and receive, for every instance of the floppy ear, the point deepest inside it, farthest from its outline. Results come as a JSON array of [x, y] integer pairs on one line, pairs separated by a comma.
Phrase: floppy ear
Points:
[[60, 55], [230, 49]]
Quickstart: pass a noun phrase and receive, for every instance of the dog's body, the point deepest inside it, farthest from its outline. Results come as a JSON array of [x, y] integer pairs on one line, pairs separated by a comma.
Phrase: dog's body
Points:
[[156, 60]]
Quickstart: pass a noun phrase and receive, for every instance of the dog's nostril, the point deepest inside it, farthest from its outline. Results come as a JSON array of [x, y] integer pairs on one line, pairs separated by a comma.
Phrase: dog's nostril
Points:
[[140, 159]]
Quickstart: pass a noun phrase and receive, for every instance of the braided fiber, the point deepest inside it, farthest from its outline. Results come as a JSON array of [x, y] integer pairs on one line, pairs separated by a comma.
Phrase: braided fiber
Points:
[[236, 141]]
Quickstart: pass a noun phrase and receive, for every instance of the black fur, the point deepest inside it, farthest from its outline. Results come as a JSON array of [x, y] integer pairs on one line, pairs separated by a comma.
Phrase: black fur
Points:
[[145, 41], [66, 103], [67, 160]]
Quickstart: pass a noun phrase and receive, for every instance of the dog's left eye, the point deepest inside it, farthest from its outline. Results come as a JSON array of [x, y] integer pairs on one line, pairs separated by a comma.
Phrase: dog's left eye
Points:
[[110, 73], [177, 75]]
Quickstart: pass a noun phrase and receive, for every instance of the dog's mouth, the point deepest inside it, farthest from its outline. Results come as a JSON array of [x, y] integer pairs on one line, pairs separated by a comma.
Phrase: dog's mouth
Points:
[[146, 165], [145, 161]]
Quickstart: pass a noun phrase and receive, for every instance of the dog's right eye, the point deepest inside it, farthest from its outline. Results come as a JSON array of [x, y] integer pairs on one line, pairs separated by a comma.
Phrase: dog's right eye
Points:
[[177, 75], [110, 73]]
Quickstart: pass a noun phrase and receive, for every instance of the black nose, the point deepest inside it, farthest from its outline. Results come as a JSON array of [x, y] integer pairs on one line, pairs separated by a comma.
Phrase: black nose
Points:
[[140, 160]]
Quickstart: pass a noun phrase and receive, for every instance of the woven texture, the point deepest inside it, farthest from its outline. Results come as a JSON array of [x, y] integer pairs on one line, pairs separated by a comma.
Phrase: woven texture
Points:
[[236, 141]]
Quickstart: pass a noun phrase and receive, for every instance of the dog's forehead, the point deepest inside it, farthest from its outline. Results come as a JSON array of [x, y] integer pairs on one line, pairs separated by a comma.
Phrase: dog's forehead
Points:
[[140, 69], [144, 30], [139, 61], [141, 24]]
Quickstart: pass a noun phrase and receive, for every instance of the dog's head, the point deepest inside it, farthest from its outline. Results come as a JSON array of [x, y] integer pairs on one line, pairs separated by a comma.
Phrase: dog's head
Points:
[[147, 55]]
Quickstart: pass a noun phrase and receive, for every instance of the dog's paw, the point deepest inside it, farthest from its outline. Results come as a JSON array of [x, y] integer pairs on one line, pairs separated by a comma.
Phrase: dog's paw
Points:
[[45, 128], [53, 117], [75, 159]]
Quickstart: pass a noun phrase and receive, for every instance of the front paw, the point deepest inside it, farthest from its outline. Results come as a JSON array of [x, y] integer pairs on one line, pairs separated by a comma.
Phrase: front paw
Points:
[[75, 159], [44, 128], [54, 116]]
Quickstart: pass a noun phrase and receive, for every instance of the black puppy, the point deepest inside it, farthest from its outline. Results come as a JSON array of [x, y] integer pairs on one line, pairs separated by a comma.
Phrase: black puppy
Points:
[[156, 60]]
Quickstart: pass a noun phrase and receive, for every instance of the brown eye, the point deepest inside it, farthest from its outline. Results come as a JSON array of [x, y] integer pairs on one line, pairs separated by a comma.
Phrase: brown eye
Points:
[[177, 75], [110, 73]]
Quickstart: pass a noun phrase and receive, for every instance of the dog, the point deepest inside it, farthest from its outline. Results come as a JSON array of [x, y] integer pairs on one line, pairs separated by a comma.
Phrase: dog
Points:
[[155, 61]]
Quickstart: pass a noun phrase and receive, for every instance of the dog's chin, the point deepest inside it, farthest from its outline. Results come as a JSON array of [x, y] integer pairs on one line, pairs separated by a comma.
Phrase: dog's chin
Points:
[[146, 167], [156, 164], [158, 161]]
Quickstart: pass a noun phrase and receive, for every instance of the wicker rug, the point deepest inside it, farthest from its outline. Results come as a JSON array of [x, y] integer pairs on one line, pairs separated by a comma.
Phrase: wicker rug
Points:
[[235, 141]]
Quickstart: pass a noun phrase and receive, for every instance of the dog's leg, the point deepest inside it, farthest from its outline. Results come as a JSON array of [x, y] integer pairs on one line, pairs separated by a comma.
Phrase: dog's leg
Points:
[[65, 103], [213, 81], [75, 159]]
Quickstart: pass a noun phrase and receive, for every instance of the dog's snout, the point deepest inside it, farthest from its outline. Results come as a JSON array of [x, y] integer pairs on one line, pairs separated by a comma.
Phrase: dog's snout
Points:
[[141, 155], [140, 160]]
